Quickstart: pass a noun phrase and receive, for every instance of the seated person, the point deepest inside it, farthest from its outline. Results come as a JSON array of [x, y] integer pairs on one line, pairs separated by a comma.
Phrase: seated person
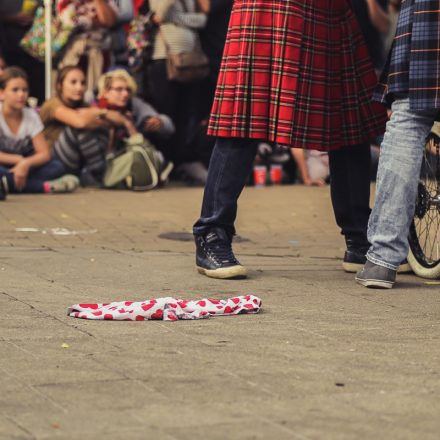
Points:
[[77, 133], [116, 92], [25, 162], [116, 89]]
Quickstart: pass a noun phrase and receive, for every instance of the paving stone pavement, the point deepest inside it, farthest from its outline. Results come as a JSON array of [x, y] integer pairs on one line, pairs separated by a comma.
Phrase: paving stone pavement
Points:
[[325, 359]]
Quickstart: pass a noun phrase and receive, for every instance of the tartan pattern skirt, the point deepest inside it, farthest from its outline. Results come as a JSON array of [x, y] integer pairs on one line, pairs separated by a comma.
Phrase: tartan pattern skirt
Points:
[[297, 73]]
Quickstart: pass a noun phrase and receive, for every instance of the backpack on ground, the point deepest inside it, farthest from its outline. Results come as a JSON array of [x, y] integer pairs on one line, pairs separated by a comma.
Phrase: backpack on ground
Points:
[[139, 166]]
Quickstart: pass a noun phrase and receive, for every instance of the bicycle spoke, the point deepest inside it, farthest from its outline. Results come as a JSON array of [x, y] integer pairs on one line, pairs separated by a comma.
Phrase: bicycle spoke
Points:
[[425, 235]]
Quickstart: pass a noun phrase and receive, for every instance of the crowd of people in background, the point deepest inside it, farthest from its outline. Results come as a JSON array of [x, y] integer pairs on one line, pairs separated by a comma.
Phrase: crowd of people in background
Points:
[[111, 81]]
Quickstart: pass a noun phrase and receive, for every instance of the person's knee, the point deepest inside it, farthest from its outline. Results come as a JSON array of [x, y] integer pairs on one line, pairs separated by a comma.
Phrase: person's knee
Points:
[[53, 169]]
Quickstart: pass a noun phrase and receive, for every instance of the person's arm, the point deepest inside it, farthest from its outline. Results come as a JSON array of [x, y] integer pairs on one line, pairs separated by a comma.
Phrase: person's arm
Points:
[[83, 118], [395, 5], [40, 157], [300, 159], [9, 158], [204, 6], [105, 13], [162, 125], [164, 13], [167, 128], [161, 9], [148, 119], [118, 119], [193, 20], [379, 17]]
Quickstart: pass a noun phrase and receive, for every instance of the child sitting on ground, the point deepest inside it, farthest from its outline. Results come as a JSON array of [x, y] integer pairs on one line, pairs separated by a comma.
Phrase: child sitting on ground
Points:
[[25, 163], [77, 133]]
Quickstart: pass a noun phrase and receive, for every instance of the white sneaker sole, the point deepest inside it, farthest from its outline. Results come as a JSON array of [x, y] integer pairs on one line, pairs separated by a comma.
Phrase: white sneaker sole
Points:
[[224, 272], [354, 267], [378, 284]]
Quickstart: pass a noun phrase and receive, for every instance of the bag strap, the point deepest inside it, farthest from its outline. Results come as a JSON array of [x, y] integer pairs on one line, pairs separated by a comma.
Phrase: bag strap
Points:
[[110, 148]]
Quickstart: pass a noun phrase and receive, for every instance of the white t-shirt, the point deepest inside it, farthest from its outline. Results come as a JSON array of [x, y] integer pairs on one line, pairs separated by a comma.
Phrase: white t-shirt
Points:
[[20, 143]]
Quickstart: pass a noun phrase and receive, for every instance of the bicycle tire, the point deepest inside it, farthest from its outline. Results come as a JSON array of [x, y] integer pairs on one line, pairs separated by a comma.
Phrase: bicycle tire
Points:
[[424, 234]]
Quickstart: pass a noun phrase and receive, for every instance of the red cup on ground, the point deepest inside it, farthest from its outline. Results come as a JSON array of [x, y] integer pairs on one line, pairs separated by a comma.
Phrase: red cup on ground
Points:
[[260, 172], [276, 174]]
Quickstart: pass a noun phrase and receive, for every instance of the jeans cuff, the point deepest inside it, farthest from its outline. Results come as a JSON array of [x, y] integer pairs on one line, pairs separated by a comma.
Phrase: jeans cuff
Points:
[[381, 263]]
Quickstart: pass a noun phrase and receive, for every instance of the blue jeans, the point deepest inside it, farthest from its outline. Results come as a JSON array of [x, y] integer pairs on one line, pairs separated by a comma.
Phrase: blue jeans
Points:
[[398, 174], [230, 166], [36, 177]]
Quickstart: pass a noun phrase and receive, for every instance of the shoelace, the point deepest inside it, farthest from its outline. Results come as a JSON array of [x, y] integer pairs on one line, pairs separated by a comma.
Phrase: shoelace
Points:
[[221, 251]]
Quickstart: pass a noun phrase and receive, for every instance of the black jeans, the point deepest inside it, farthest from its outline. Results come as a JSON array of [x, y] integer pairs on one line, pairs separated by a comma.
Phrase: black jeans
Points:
[[232, 161], [179, 102], [350, 191]]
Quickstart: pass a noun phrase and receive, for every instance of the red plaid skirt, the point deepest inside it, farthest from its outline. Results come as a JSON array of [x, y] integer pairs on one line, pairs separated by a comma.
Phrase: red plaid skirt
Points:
[[296, 72]]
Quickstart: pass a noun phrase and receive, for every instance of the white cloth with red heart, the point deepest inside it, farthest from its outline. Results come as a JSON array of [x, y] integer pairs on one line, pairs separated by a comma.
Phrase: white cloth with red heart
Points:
[[166, 309]]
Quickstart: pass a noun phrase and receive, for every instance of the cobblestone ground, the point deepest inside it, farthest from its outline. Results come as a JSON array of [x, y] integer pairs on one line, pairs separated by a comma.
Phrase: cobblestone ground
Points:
[[326, 359]]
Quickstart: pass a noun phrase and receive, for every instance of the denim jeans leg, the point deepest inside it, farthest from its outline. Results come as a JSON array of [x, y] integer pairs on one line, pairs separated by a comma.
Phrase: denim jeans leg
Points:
[[229, 168], [37, 176], [4, 172], [400, 159]]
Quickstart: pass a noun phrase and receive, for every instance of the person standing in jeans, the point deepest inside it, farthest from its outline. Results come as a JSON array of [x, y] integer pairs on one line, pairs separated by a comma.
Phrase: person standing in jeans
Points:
[[298, 74], [410, 82]]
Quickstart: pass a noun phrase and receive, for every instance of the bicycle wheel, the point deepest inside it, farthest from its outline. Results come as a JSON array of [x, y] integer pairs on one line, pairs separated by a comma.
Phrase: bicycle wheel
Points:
[[424, 235]]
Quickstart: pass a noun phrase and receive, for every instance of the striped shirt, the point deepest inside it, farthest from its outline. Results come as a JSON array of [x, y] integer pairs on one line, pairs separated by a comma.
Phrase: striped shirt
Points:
[[179, 28]]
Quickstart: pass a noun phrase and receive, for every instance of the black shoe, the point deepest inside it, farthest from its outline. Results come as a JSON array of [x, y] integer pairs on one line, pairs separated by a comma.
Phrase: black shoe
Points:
[[3, 188], [214, 257], [354, 260], [404, 267], [373, 275], [355, 255]]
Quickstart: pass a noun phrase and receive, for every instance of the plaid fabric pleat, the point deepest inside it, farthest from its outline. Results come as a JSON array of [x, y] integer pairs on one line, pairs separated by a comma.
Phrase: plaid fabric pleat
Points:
[[297, 73], [413, 66]]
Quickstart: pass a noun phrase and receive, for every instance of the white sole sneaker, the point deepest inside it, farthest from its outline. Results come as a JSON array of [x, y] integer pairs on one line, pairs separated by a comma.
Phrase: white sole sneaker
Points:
[[64, 184], [355, 267], [378, 284], [224, 273]]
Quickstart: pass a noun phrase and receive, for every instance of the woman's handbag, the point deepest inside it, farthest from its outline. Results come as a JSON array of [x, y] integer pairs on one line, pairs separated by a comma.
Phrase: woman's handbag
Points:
[[33, 41], [186, 66]]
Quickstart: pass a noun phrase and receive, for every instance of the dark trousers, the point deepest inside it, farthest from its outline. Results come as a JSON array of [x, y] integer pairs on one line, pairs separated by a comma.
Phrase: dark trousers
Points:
[[36, 177], [350, 191], [179, 102], [231, 163]]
